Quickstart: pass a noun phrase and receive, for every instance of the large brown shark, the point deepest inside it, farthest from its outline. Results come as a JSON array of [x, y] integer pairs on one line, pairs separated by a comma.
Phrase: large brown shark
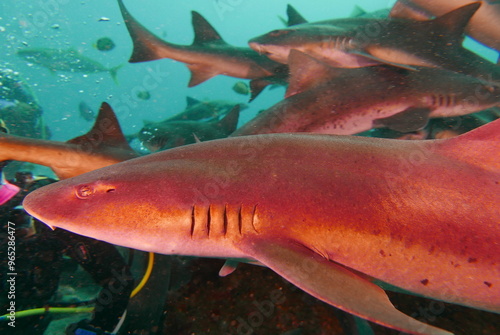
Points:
[[322, 99], [208, 56], [103, 145], [483, 26], [357, 42], [331, 214], [170, 134]]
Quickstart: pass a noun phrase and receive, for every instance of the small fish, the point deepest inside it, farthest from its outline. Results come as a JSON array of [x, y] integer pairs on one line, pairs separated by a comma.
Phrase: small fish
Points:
[[66, 60], [144, 95], [241, 88], [104, 44], [86, 112]]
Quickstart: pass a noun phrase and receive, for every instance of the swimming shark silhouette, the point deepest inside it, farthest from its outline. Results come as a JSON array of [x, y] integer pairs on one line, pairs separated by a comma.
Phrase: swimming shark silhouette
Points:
[[322, 99], [103, 145], [483, 26], [357, 42], [330, 214], [208, 56], [169, 134]]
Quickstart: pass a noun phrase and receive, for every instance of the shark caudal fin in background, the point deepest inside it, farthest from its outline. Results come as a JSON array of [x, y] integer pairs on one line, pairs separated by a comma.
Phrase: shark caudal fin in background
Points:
[[480, 147]]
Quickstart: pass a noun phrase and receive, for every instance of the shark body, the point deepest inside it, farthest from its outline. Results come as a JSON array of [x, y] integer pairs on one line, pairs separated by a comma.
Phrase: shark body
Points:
[[358, 42], [208, 56], [322, 99], [328, 213], [170, 134], [103, 145]]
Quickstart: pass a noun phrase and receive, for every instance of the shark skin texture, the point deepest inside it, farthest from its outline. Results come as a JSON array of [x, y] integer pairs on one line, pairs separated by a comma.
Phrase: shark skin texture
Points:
[[208, 56], [331, 214], [483, 25], [103, 145], [327, 100]]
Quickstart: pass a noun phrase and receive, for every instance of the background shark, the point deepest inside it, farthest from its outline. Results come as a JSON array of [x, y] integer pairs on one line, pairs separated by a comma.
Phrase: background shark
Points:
[[103, 145], [304, 206], [323, 99], [357, 42], [170, 134], [208, 56]]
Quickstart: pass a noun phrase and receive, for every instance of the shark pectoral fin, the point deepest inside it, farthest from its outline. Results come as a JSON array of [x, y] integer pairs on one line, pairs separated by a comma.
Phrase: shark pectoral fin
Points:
[[411, 119], [332, 283], [229, 267], [199, 74], [381, 60]]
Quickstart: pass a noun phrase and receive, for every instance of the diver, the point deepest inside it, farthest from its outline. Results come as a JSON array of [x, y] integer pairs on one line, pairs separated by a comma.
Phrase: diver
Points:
[[18, 106], [39, 262]]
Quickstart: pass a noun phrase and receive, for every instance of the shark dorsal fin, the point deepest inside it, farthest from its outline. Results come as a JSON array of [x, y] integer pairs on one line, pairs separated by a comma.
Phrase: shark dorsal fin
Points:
[[190, 102], [357, 11], [230, 121], [307, 72], [106, 132], [294, 16], [452, 24], [203, 31], [479, 147]]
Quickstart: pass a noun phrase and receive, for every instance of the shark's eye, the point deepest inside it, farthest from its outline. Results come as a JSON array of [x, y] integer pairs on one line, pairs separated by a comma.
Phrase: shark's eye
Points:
[[83, 192]]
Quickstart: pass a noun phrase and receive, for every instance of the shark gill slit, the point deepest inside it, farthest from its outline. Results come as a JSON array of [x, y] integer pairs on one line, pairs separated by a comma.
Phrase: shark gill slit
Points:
[[225, 220], [192, 221], [240, 219], [209, 218]]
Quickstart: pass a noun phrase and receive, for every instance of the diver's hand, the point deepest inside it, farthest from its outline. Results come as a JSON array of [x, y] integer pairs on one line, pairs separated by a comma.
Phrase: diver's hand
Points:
[[84, 328]]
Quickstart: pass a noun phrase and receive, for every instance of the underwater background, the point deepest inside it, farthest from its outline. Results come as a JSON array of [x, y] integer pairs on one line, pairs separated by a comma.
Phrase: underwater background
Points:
[[66, 24]]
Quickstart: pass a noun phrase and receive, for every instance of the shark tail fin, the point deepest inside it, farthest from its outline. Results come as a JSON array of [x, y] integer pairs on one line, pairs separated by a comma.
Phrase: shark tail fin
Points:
[[106, 132], [479, 147], [145, 42], [113, 72]]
